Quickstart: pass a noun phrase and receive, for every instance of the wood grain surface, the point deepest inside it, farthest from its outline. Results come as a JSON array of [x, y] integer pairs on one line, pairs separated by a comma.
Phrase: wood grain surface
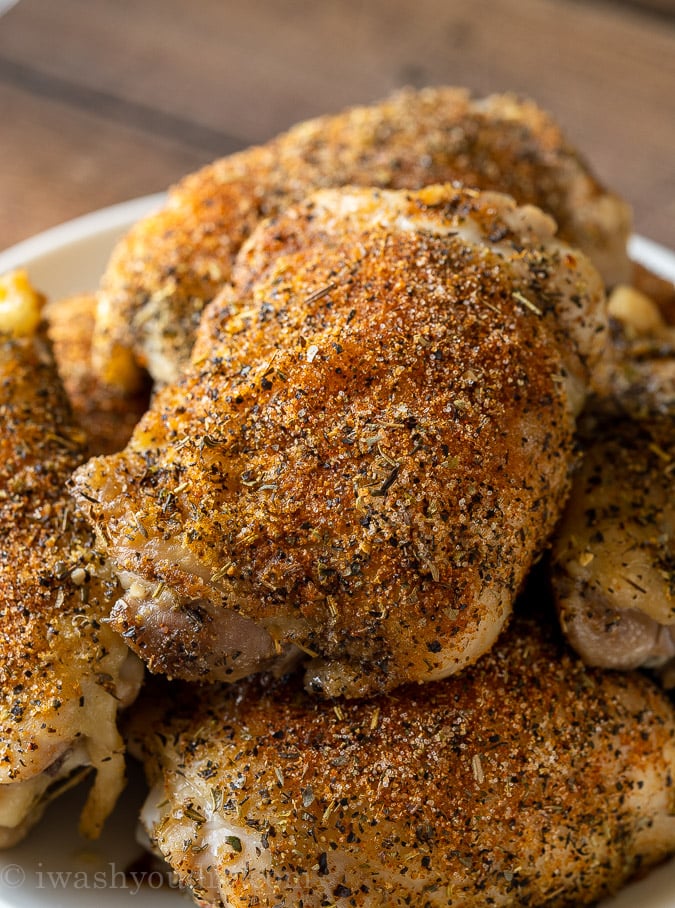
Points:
[[104, 100]]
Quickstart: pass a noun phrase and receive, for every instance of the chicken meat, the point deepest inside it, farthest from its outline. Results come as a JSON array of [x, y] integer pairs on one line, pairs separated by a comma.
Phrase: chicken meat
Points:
[[64, 674], [370, 449], [172, 263], [529, 780]]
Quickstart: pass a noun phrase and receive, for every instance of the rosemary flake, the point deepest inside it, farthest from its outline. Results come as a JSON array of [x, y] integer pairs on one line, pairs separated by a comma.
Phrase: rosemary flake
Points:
[[387, 484], [477, 768], [192, 814], [527, 303], [656, 449], [319, 294]]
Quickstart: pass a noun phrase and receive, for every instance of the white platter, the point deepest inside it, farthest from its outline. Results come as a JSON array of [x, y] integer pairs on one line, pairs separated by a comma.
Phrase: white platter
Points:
[[55, 867]]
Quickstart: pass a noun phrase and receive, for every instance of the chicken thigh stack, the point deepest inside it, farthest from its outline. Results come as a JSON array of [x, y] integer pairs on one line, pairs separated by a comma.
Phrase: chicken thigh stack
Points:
[[370, 449], [172, 263], [529, 780], [63, 673]]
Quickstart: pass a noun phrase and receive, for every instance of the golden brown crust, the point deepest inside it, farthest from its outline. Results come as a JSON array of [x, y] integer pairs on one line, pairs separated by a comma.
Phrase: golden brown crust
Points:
[[171, 264], [107, 415], [59, 663], [529, 780], [372, 445], [39, 448]]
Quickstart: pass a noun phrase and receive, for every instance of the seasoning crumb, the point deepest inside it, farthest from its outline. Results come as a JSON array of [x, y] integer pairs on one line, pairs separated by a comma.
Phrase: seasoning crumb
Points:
[[477, 768]]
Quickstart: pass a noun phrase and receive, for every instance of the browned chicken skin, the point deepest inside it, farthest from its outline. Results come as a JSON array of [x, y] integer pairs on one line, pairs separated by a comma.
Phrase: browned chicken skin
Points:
[[107, 414], [614, 553], [528, 780], [637, 377], [370, 450], [171, 264], [63, 673]]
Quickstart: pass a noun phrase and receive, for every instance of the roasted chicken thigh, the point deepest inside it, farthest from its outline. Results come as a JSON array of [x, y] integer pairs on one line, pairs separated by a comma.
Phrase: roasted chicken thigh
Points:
[[64, 674], [172, 263], [614, 554], [528, 780], [370, 449]]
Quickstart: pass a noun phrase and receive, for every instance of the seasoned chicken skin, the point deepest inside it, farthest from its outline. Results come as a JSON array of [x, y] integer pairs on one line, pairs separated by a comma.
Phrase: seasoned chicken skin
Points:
[[637, 377], [172, 263], [370, 448], [107, 414], [63, 673], [614, 554], [528, 780]]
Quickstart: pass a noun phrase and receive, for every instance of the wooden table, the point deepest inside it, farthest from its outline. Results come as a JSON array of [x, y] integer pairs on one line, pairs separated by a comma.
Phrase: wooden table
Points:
[[104, 100]]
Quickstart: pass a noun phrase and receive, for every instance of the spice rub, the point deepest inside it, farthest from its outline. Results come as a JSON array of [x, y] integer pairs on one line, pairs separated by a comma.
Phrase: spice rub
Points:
[[63, 673]]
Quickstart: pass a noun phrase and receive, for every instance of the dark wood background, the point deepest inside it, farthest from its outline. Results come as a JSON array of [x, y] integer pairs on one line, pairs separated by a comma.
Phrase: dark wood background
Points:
[[104, 100]]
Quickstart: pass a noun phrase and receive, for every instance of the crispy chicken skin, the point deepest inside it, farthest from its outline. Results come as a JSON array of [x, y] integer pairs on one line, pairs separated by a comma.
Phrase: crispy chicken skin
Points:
[[107, 414], [528, 780], [172, 263], [63, 673], [369, 451]]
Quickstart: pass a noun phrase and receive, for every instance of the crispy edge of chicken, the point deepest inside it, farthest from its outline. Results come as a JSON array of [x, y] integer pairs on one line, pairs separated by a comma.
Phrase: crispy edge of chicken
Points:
[[162, 274], [107, 414], [613, 568], [656, 288], [64, 674], [637, 376], [527, 780], [370, 451], [613, 556]]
